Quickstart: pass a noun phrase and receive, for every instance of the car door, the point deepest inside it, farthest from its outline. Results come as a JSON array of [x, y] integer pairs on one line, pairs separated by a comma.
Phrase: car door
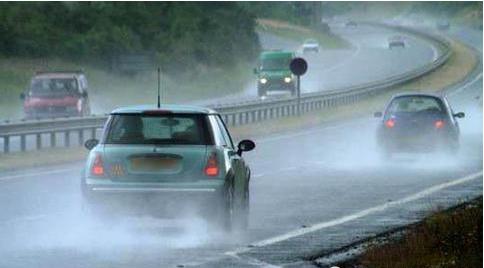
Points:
[[240, 182], [451, 118]]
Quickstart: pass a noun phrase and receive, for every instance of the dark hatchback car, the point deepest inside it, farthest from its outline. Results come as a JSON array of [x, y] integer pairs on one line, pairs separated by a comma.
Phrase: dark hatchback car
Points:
[[164, 162], [418, 123]]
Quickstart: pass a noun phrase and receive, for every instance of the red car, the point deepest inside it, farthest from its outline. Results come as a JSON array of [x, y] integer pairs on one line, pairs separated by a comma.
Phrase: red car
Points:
[[56, 94]]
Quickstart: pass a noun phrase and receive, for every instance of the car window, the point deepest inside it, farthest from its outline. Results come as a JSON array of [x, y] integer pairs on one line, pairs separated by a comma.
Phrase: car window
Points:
[[275, 64], [218, 135], [415, 104], [41, 86], [159, 129], [224, 131], [83, 82]]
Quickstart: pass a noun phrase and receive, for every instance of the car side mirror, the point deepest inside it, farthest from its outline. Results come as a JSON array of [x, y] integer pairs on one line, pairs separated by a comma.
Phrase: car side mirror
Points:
[[460, 115], [245, 146], [256, 71], [91, 143], [378, 114], [22, 96]]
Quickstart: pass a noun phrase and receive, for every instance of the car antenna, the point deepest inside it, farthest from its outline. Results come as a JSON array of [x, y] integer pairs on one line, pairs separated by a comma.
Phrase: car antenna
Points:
[[159, 75]]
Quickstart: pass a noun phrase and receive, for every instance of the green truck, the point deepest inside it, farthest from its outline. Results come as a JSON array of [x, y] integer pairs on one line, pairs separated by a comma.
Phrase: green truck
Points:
[[273, 73]]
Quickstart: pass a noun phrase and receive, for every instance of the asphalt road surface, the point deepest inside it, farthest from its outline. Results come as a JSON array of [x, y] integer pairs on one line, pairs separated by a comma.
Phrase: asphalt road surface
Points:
[[312, 191], [368, 60]]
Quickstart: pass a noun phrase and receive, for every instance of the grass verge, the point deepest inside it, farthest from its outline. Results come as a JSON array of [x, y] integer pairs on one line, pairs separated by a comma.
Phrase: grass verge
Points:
[[450, 238], [299, 33], [454, 70]]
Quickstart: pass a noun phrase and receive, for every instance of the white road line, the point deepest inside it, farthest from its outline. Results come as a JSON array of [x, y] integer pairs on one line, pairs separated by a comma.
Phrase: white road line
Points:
[[24, 219], [35, 174], [308, 132], [435, 53], [357, 215], [465, 86], [357, 51]]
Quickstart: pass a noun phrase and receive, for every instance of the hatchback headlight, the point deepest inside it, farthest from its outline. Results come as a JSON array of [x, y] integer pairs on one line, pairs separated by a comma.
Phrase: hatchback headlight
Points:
[[263, 80], [287, 79]]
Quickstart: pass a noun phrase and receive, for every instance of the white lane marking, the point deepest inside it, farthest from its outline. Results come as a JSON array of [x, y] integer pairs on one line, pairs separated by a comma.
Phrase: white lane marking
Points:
[[308, 132], [133, 189], [34, 174], [435, 53], [24, 219], [465, 86], [357, 215], [357, 51]]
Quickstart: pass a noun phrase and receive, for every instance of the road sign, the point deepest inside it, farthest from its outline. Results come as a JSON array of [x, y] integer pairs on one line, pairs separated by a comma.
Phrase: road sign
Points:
[[298, 66]]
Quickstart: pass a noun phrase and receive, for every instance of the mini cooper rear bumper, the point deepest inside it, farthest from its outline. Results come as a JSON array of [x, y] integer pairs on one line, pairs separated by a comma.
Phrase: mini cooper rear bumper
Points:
[[150, 198]]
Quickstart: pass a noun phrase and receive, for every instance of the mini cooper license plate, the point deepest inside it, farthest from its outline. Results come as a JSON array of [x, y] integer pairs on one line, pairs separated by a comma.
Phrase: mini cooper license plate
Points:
[[153, 164]]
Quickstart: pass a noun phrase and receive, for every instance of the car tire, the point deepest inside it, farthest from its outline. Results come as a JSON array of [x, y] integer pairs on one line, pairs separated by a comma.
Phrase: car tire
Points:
[[233, 215]]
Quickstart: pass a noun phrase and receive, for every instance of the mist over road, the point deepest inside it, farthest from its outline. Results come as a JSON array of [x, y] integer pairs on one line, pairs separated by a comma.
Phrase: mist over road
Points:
[[368, 60], [311, 190]]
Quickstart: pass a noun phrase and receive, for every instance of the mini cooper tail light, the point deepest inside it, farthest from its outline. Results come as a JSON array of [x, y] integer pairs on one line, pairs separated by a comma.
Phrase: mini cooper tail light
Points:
[[390, 123], [97, 166], [439, 124], [211, 169]]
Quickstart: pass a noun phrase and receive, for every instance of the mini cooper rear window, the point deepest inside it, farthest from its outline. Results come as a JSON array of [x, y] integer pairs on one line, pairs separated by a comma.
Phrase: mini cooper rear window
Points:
[[190, 129]]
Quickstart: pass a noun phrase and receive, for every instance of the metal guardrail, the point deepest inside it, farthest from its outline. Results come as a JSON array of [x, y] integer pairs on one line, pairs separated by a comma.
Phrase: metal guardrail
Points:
[[232, 113]]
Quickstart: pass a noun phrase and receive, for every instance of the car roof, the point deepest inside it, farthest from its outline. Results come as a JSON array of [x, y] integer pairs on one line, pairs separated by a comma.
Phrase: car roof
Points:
[[58, 74], [276, 54], [171, 108], [417, 94]]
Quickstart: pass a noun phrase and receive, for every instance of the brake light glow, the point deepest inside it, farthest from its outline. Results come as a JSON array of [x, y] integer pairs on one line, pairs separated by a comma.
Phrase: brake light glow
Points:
[[97, 166], [439, 124], [211, 169], [390, 123]]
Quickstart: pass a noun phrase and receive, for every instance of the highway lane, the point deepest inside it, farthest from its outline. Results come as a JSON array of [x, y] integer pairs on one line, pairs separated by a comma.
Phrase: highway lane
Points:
[[368, 60], [302, 178], [312, 177]]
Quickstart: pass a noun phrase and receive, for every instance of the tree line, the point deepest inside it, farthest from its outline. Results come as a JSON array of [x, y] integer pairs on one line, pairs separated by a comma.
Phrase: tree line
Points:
[[184, 36]]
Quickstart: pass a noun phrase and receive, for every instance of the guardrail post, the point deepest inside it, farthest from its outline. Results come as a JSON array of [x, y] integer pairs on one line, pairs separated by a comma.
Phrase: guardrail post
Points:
[[38, 141], [240, 118], [22, 143], [6, 144], [67, 138], [93, 133], [52, 139], [246, 117], [81, 137]]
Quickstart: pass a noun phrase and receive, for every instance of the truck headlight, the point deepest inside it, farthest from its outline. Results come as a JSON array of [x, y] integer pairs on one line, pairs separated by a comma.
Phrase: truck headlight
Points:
[[263, 80], [287, 79]]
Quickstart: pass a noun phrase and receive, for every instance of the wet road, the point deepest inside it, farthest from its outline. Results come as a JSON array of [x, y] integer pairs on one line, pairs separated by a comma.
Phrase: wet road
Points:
[[368, 60], [312, 190]]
